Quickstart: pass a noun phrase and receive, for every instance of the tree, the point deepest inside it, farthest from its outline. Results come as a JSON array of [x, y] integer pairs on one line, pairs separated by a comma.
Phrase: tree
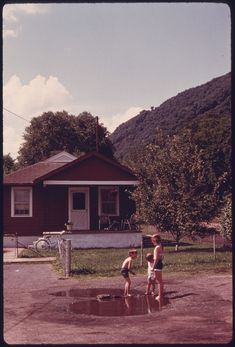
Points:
[[8, 164], [212, 134], [60, 131], [85, 125], [176, 190], [226, 220]]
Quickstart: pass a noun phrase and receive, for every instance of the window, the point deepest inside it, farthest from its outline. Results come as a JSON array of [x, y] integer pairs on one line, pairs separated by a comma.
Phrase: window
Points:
[[21, 202], [109, 201], [79, 201]]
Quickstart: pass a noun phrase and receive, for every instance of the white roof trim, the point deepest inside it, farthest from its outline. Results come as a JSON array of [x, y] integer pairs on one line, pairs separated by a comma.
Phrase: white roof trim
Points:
[[82, 183], [62, 157]]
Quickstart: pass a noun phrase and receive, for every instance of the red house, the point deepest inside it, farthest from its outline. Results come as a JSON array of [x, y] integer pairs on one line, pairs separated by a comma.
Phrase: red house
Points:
[[90, 191]]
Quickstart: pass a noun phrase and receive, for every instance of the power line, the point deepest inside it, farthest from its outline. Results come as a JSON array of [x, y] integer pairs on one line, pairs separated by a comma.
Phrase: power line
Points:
[[16, 115]]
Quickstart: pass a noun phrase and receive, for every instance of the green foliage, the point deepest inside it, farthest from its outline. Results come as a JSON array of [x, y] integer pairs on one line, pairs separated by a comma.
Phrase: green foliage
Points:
[[176, 190], [213, 135], [175, 114], [8, 164], [60, 131], [226, 220]]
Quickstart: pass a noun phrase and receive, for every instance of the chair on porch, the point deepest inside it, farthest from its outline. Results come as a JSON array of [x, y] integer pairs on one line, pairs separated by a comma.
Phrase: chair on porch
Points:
[[103, 222], [130, 223], [109, 223]]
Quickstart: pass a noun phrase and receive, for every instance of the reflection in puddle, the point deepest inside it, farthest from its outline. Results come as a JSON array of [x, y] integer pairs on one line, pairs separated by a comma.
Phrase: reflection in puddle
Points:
[[116, 307], [87, 302]]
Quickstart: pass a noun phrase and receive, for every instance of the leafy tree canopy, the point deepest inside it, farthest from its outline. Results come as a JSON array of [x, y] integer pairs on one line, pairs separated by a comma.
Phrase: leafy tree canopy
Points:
[[8, 164], [60, 131], [213, 136], [177, 188], [226, 219]]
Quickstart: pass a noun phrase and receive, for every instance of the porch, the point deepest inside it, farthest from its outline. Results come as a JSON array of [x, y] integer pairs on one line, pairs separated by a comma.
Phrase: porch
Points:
[[84, 239]]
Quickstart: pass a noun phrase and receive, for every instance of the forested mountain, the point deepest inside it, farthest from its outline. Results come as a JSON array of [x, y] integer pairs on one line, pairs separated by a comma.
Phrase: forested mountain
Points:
[[212, 99]]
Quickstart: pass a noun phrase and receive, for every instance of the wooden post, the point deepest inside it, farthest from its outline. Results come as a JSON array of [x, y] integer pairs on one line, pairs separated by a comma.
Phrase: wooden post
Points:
[[141, 254], [214, 245], [16, 245], [67, 257]]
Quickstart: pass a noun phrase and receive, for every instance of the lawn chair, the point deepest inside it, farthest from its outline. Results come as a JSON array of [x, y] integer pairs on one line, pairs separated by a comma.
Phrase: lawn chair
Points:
[[104, 223]]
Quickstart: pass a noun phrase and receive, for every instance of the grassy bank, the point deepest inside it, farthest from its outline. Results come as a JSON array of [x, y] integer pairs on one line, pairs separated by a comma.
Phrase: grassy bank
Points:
[[192, 257]]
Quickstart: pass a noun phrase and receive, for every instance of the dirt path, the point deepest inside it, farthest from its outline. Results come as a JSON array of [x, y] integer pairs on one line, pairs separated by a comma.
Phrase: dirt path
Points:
[[197, 309]]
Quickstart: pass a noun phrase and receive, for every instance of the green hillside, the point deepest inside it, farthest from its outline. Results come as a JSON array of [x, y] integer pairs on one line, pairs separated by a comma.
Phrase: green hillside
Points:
[[211, 99]]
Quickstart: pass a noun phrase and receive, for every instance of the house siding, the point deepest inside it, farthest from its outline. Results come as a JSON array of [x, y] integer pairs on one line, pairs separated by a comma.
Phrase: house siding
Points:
[[48, 211], [93, 169], [56, 211], [94, 219], [24, 225]]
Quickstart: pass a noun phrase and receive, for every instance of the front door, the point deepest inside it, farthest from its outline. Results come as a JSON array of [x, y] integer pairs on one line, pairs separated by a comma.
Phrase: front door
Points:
[[79, 208]]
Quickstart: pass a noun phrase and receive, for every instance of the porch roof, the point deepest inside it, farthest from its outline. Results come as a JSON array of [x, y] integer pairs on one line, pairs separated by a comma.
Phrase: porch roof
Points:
[[90, 183]]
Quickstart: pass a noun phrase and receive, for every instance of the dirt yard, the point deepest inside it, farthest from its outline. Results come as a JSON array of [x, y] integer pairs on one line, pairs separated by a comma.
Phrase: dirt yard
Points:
[[37, 309]]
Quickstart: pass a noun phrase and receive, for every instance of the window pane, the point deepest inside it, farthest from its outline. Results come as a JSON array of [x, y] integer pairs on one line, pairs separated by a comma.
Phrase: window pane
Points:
[[108, 208], [21, 201], [79, 202], [109, 201], [22, 195], [21, 209]]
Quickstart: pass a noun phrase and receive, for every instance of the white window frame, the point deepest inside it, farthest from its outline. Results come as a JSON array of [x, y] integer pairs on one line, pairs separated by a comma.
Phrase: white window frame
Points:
[[13, 189], [117, 200]]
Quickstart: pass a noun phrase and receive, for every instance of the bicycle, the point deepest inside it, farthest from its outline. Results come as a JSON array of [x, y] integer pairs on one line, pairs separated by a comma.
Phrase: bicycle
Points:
[[45, 243]]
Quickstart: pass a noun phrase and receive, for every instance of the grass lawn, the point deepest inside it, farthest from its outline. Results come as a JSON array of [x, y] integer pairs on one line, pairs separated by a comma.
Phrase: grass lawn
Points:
[[191, 257]]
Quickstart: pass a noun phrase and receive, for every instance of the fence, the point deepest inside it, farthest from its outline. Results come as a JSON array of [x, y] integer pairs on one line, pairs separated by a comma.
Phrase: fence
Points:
[[19, 244]]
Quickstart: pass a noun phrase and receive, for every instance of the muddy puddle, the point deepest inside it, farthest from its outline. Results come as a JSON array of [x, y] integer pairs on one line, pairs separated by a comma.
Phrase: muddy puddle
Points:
[[108, 302]]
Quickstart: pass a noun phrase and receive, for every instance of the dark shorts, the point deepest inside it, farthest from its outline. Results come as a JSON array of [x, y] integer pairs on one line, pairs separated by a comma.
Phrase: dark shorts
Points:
[[159, 265], [125, 272]]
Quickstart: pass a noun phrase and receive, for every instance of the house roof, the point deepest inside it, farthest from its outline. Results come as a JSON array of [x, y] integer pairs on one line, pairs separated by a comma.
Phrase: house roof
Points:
[[30, 174], [46, 169], [61, 157]]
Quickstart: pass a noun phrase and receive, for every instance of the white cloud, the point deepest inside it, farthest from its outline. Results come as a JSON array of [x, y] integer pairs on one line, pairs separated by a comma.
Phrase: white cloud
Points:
[[12, 12], [36, 97], [113, 122], [11, 141], [11, 32], [41, 94]]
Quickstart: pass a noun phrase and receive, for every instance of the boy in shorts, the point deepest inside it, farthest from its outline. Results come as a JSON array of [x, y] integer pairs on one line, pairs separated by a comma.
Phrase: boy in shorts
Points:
[[158, 265], [126, 268]]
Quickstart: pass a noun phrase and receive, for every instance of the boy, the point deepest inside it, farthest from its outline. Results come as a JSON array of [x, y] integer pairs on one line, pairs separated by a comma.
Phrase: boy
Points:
[[151, 275], [126, 268], [158, 265]]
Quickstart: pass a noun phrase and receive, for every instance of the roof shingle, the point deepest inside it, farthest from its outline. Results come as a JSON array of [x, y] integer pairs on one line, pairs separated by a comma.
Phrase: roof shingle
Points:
[[30, 173]]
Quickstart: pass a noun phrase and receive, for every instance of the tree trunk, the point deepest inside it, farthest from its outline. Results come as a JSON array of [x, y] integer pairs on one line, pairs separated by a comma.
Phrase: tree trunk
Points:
[[177, 242]]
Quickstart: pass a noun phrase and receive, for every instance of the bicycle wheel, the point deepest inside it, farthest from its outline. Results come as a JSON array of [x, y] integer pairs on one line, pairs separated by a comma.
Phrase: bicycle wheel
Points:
[[42, 244]]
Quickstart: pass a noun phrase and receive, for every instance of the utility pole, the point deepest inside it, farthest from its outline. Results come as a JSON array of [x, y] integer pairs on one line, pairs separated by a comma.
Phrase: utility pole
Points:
[[96, 134]]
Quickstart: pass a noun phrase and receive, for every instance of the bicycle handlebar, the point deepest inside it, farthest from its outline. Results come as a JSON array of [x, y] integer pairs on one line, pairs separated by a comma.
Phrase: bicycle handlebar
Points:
[[54, 232]]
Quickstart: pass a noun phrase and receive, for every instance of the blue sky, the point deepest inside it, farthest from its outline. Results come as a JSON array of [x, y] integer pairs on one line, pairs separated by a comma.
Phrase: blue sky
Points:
[[112, 60]]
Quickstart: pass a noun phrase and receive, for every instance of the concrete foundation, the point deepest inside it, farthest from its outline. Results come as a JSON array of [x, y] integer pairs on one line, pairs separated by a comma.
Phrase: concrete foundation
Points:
[[85, 240]]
